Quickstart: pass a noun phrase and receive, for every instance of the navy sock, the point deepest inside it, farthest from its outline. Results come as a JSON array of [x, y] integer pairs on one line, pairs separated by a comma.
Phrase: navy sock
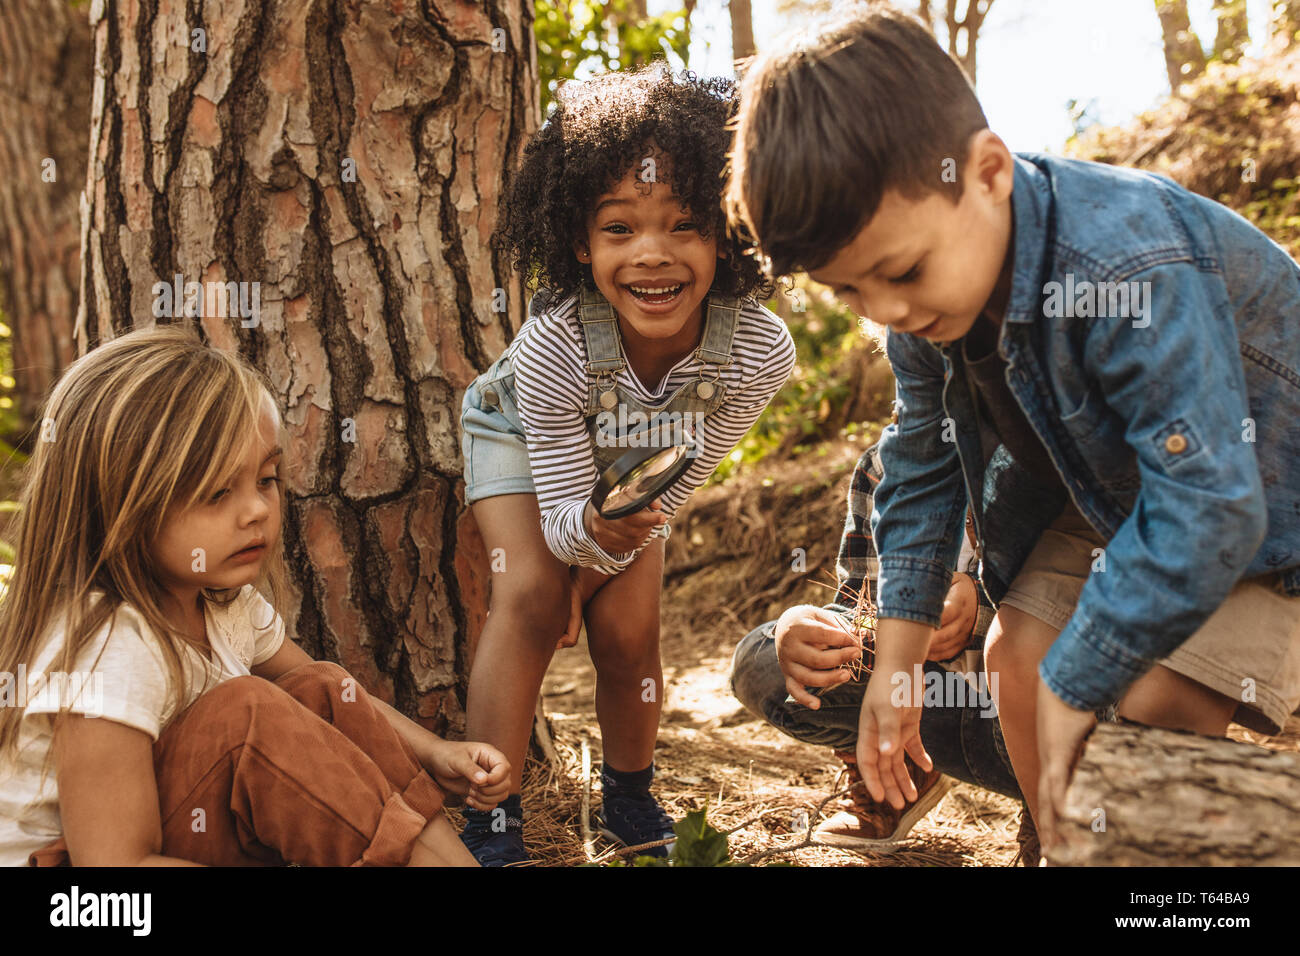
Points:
[[611, 779], [482, 819]]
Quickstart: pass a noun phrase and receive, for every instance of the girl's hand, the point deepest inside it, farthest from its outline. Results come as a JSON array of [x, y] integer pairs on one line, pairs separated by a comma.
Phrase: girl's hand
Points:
[[960, 608], [583, 585], [570, 635], [477, 772], [622, 535]]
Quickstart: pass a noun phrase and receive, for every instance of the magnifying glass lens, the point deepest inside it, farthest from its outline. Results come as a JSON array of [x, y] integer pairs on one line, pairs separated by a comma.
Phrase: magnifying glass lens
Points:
[[642, 480], [633, 486]]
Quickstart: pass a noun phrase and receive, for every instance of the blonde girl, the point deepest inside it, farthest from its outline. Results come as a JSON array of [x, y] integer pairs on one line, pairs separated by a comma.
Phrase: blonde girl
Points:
[[156, 713]]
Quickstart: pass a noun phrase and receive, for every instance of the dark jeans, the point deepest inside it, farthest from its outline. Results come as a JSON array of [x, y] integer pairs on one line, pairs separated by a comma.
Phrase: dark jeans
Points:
[[962, 737]]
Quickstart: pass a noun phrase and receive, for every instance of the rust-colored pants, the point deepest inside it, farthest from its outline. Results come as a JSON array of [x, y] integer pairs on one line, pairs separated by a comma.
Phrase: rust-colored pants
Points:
[[286, 772]]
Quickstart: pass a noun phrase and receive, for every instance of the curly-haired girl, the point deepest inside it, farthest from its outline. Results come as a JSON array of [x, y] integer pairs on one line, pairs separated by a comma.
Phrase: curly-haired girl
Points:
[[646, 308]]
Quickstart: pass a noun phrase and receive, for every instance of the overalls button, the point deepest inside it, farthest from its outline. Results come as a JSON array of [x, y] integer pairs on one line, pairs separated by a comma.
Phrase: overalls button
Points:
[[704, 390], [489, 396], [1175, 444], [608, 399]]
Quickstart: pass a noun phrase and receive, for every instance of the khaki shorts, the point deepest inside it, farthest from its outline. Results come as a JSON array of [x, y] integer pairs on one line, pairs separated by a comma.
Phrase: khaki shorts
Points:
[[1250, 645]]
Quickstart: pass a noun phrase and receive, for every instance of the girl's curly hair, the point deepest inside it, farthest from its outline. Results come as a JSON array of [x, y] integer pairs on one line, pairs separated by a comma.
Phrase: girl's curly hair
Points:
[[599, 130]]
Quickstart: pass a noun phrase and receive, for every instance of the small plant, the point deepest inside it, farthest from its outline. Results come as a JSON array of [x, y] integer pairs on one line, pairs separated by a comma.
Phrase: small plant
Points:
[[698, 844]]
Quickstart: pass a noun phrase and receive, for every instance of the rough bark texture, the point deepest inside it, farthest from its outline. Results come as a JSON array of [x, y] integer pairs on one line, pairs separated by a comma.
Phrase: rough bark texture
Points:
[[234, 163], [1180, 799], [1184, 58], [45, 67], [742, 29]]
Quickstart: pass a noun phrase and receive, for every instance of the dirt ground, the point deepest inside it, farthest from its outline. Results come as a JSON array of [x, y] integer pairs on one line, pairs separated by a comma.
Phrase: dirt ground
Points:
[[730, 568]]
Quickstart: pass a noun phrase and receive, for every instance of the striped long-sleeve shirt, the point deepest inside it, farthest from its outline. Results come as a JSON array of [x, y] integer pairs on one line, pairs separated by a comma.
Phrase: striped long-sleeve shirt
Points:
[[551, 385]]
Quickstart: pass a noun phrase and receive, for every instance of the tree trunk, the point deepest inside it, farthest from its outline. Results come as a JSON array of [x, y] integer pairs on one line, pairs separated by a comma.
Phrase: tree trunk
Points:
[[925, 14], [1233, 33], [1184, 58], [1147, 797], [742, 29], [45, 65], [963, 34], [348, 158]]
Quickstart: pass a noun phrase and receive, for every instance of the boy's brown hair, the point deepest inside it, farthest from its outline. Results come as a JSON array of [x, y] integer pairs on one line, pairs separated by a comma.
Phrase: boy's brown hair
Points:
[[827, 125]]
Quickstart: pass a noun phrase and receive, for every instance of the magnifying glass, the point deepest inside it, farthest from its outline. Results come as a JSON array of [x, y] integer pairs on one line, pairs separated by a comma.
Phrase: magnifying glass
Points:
[[638, 477]]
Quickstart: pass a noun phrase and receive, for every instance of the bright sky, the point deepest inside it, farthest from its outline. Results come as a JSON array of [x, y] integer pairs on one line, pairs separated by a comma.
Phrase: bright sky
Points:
[[1034, 56]]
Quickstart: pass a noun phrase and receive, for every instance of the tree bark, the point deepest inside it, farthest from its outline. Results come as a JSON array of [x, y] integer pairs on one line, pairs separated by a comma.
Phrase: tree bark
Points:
[[348, 157], [45, 67], [1233, 33], [1147, 797], [742, 29], [1184, 58]]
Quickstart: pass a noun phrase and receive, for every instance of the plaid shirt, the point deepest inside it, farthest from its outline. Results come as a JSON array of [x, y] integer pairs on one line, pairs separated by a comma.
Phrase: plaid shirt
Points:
[[857, 566]]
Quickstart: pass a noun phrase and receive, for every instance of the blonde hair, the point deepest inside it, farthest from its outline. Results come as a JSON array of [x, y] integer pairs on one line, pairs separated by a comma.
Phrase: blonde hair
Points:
[[147, 424]]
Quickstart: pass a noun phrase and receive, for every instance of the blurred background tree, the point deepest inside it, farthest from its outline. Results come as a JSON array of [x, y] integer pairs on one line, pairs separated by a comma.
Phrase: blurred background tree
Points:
[[955, 23], [578, 38]]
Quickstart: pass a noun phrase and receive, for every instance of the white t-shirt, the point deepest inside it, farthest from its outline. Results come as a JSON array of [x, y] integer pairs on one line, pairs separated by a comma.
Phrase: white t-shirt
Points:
[[129, 685]]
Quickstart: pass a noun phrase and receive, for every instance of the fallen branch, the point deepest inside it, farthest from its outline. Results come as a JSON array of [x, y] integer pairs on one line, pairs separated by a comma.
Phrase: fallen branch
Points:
[[1142, 796]]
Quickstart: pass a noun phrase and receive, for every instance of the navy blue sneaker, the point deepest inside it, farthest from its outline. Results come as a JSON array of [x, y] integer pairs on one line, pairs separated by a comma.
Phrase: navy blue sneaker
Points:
[[495, 837], [630, 817]]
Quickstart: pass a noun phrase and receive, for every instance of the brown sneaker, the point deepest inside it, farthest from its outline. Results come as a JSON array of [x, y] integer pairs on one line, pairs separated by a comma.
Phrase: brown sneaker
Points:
[[865, 824], [1031, 853]]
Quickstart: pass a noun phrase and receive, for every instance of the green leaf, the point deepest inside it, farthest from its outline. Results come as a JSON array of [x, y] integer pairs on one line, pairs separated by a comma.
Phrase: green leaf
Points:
[[698, 843]]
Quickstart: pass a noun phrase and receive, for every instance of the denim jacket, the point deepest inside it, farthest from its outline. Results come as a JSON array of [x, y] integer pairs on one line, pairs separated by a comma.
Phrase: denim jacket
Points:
[[1167, 398]]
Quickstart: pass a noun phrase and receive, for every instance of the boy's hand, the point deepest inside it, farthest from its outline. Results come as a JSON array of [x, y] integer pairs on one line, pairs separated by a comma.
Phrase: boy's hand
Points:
[[812, 647], [478, 772], [1062, 732], [960, 608], [621, 535], [887, 732]]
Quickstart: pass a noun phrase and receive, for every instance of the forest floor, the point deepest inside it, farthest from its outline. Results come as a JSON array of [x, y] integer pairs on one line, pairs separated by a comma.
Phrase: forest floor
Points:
[[728, 571]]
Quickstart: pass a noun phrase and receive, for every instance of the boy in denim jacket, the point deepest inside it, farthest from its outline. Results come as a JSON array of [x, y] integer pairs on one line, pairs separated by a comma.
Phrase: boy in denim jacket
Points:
[[1135, 349]]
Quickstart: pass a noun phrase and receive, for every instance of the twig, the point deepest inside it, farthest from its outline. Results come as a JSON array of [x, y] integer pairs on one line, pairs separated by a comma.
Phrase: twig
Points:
[[542, 731], [807, 837], [629, 850], [588, 841]]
